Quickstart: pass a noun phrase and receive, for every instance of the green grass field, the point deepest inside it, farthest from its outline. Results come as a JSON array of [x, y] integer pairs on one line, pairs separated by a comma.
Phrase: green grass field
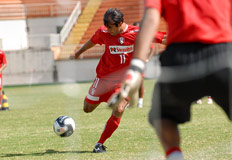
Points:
[[27, 129]]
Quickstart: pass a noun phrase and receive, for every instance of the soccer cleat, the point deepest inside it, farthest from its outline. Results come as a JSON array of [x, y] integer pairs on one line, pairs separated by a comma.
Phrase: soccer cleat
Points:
[[210, 101], [128, 105], [199, 101], [140, 105], [99, 148]]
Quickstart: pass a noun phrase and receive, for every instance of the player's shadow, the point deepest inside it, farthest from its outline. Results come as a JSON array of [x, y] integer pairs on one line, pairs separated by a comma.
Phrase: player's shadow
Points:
[[47, 152]]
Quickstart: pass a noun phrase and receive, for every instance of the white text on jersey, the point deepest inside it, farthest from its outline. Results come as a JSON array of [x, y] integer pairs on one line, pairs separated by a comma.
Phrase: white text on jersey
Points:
[[121, 49]]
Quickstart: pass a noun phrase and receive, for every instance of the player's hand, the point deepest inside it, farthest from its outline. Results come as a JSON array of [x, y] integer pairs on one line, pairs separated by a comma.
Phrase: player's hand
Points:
[[75, 55], [164, 40], [130, 84], [72, 56]]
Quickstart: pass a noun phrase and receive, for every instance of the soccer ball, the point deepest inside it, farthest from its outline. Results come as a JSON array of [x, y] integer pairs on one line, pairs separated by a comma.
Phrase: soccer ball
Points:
[[64, 126]]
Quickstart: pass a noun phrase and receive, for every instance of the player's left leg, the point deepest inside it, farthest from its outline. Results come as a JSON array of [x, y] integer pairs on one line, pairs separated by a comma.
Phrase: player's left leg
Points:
[[168, 134], [111, 125], [165, 115], [165, 126], [141, 94]]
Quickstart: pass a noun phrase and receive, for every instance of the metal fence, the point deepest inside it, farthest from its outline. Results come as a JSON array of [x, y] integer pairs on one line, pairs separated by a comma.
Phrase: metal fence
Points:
[[22, 11], [49, 9]]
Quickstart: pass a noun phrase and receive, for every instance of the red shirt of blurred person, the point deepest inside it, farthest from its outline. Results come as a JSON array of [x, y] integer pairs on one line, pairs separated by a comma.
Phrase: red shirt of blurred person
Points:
[[188, 20], [2, 59]]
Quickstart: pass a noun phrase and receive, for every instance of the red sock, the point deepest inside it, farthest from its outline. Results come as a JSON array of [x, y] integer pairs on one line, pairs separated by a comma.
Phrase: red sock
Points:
[[171, 150], [111, 125]]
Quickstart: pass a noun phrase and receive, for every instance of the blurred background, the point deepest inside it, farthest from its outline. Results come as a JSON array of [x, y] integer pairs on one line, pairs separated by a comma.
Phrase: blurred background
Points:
[[38, 37]]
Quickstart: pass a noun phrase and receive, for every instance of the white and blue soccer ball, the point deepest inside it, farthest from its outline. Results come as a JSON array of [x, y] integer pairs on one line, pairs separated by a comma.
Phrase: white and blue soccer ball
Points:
[[64, 126]]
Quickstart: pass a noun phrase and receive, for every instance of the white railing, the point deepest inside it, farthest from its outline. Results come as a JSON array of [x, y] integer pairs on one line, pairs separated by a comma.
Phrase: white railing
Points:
[[36, 10], [11, 11], [49, 9], [44, 40], [70, 22], [50, 40]]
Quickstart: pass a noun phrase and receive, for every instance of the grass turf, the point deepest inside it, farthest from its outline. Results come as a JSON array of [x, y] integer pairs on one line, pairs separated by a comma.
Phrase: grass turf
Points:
[[26, 130]]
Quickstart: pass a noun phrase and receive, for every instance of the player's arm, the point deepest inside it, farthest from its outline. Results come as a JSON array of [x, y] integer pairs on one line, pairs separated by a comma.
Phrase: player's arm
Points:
[[145, 36], [3, 67], [164, 40], [144, 39], [151, 53], [89, 44]]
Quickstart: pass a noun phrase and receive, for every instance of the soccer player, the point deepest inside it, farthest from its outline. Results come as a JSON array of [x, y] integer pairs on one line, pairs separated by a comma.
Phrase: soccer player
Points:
[[196, 63], [3, 64], [210, 100], [119, 39]]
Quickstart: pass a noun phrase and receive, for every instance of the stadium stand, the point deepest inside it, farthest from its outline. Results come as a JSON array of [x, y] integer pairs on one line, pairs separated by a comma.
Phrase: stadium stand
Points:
[[79, 29], [21, 9], [88, 22], [48, 8], [11, 10], [132, 9]]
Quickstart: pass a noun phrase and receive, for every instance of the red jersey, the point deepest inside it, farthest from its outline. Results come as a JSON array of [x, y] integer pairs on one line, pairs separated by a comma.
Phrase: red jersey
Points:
[[118, 51], [205, 21], [2, 58]]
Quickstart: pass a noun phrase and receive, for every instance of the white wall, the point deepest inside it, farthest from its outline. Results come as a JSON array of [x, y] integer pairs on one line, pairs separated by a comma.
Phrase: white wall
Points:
[[76, 70], [37, 67], [85, 70], [42, 32], [13, 34], [29, 67], [45, 25]]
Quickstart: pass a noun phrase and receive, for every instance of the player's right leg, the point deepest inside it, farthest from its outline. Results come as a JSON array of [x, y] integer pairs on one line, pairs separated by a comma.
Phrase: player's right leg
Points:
[[0, 91], [111, 126], [114, 120]]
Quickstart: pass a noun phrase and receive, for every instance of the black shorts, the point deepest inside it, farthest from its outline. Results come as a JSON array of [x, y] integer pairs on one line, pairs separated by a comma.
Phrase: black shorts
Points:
[[190, 71]]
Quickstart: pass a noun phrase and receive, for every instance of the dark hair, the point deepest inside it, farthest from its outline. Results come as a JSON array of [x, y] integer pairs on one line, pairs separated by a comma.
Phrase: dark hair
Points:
[[113, 15], [136, 24]]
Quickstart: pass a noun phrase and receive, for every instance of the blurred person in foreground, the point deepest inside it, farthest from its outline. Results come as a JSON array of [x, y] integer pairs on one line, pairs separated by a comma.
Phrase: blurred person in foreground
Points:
[[3, 64], [151, 52], [197, 62], [119, 39]]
